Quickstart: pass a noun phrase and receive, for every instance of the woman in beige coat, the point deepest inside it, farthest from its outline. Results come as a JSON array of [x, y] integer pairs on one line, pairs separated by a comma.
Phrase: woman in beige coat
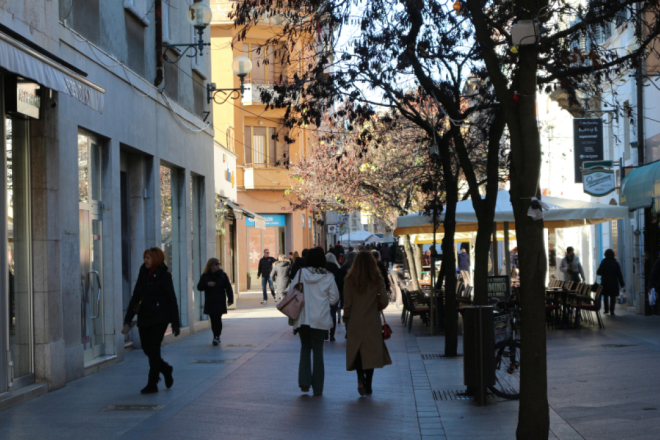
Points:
[[365, 347]]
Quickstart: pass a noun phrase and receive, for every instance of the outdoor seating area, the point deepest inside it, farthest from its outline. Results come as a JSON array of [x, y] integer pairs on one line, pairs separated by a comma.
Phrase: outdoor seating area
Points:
[[568, 304]]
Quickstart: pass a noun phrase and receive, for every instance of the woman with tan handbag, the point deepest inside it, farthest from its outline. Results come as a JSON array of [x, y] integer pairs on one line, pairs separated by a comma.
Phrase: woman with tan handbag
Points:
[[320, 293], [364, 297]]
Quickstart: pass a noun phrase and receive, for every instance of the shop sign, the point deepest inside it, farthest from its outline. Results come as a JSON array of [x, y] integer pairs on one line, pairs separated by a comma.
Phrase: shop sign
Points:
[[599, 182], [26, 100], [271, 220], [499, 287], [587, 143]]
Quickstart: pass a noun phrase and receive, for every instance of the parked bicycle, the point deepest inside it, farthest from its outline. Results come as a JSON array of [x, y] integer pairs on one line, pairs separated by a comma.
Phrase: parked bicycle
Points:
[[507, 353]]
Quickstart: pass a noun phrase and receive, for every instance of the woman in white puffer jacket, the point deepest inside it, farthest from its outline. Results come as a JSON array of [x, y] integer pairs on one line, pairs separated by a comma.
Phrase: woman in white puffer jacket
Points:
[[312, 325]]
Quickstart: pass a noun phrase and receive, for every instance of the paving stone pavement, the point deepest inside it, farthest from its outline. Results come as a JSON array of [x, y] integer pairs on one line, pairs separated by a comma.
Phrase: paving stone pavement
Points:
[[601, 385]]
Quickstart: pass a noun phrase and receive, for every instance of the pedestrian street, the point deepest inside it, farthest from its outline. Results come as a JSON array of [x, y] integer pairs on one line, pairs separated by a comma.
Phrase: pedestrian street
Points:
[[247, 389]]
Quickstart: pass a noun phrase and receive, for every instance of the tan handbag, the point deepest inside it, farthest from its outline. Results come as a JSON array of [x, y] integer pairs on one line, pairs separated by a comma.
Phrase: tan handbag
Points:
[[294, 301]]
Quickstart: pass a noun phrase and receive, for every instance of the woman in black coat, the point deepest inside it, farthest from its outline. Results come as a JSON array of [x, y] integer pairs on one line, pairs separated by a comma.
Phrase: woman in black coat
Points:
[[154, 303], [610, 277], [217, 295]]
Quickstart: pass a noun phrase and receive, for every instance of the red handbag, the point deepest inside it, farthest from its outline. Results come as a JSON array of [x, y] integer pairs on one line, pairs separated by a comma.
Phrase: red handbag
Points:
[[387, 330]]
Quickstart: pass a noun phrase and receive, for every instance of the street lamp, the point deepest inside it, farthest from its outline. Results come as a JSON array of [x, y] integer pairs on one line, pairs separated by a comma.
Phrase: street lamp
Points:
[[199, 15], [242, 66]]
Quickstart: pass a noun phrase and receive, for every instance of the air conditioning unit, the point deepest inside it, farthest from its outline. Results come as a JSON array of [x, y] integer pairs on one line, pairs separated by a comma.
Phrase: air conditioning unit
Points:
[[333, 229]]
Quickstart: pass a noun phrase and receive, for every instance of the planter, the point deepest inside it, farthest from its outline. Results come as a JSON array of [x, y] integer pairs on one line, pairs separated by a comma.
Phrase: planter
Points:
[[249, 282]]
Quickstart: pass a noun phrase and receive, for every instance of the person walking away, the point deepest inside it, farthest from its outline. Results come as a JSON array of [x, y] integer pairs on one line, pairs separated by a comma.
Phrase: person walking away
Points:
[[611, 278], [280, 274], [383, 270], [571, 267], [218, 294], [154, 303], [385, 255], [298, 264], [332, 266], [364, 297], [464, 260], [265, 267], [320, 292]]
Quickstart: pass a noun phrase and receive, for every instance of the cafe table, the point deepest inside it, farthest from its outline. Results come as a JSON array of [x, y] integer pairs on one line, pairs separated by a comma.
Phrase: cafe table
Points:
[[560, 298]]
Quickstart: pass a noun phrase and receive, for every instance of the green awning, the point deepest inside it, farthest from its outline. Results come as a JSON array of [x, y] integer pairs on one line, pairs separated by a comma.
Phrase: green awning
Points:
[[641, 188]]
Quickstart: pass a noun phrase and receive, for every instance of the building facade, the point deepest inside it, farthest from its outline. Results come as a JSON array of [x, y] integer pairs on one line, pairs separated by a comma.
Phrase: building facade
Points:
[[262, 163], [106, 154]]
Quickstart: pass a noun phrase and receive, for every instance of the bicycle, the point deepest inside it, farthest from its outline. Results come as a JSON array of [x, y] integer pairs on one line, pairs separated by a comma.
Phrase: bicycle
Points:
[[507, 355]]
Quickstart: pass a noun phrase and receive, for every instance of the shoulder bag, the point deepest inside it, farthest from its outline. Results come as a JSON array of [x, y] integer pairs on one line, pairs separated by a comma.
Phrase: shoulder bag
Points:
[[294, 301], [387, 330]]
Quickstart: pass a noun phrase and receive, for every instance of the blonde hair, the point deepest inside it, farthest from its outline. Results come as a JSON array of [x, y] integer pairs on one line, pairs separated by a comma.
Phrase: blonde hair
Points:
[[209, 265], [364, 272], [295, 255], [282, 257]]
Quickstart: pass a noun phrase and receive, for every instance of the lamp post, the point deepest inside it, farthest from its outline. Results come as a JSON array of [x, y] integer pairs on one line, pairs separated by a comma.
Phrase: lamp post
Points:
[[242, 66], [199, 15]]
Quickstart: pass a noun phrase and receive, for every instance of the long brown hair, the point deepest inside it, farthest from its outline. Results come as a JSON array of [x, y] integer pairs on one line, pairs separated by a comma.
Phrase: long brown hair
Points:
[[209, 265], [364, 272], [157, 256]]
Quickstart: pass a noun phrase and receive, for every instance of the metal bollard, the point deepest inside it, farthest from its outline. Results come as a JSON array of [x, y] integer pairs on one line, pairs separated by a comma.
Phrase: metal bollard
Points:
[[478, 350]]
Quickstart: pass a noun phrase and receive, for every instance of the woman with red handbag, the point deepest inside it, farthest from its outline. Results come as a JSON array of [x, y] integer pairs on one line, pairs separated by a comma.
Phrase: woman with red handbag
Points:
[[364, 298]]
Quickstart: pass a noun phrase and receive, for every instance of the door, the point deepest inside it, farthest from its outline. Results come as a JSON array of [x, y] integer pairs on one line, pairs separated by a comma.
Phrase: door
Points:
[[91, 247], [125, 248]]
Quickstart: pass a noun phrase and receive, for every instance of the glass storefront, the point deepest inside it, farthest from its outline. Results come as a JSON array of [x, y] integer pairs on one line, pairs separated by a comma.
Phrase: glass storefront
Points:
[[170, 203], [19, 249], [91, 246], [196, 227]]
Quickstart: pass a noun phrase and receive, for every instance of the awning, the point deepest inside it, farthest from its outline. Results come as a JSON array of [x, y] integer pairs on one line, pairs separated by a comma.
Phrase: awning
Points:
[[259, 221], [641, 188], [563, 213], [30, 64]]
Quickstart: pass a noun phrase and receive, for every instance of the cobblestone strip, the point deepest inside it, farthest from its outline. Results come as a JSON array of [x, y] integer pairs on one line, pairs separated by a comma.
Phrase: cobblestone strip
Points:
[[430, 423]]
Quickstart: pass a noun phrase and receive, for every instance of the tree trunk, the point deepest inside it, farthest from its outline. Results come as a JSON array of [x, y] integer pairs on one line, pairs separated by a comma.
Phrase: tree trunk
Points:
[[533, 413], [449, 270], [481, 251], [411, 262], [417, 252]]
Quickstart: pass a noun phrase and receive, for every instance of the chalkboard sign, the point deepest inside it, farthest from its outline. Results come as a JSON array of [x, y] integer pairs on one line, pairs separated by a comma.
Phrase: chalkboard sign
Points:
[[587, 143], [499, 288]]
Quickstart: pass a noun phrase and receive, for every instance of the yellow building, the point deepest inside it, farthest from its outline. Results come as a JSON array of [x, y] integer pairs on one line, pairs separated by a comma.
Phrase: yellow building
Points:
[[245, 126]]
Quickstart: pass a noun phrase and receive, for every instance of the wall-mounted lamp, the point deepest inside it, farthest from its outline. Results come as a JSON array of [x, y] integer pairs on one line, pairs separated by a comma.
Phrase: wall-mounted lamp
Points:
[[242, 66], [199, 15]]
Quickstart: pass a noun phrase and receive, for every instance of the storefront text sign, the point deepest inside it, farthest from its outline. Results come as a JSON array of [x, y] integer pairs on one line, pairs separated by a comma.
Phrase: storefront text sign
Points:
[[599, 182], [271, 220], [499, 287], [587, 143]]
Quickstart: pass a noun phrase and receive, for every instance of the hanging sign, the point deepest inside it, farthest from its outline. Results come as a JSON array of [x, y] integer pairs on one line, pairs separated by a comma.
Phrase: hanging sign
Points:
[[587, 143], [599, 182]]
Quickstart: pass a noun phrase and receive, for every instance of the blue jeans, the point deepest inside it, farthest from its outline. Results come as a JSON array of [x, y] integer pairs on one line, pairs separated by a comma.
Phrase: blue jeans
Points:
[[263, 286]]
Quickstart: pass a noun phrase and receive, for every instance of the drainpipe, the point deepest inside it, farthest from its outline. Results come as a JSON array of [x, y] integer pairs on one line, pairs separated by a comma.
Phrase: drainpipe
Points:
[[158, 9], [641, 145]]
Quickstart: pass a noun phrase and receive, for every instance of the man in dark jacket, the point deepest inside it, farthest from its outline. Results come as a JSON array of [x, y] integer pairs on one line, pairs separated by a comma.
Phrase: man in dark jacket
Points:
[[265, 267], [464, 260], [339, 252]]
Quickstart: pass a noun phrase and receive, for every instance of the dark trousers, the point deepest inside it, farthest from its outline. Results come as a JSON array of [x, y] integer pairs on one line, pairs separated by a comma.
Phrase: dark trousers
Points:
[[612, 302], [311, 341], [151, 337], [216, 325], [364, 376], [265, 280], [334, 312]]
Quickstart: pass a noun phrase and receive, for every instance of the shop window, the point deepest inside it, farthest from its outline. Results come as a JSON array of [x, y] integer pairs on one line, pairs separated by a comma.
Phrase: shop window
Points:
[[195, 238], [170, 204], [19, 258]]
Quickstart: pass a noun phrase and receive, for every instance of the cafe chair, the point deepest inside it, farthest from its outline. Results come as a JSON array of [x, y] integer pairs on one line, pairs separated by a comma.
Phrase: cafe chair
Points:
[[594, 307]]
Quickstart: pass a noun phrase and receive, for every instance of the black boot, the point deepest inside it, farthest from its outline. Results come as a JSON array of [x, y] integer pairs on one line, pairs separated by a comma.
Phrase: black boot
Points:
[[332, 334], [151, 387], [167, 370]]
